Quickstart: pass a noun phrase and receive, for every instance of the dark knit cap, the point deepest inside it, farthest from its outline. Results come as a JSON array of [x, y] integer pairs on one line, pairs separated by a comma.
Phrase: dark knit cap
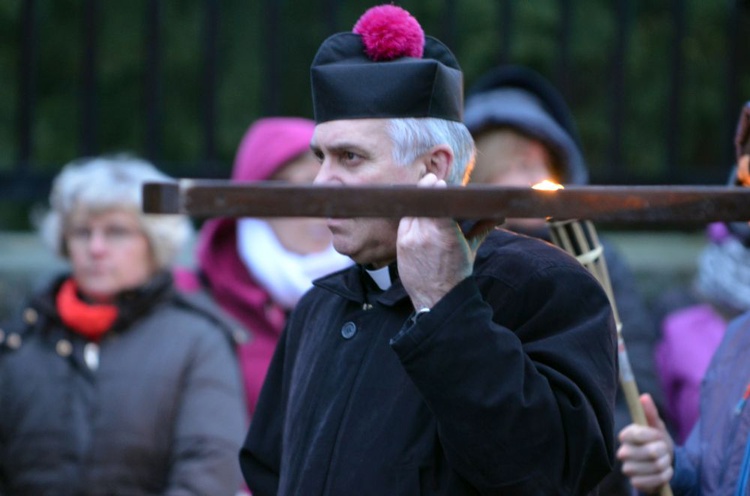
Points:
[[386, 68], [741, 230], [520, 98]]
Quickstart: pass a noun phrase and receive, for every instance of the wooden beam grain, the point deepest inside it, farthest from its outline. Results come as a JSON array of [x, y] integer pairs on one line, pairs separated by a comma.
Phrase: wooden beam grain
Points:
[[613, 204]]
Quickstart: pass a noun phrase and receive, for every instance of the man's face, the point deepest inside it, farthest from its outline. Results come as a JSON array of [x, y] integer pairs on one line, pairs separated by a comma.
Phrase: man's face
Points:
[[356, 152], [507, 158], [301, 235]]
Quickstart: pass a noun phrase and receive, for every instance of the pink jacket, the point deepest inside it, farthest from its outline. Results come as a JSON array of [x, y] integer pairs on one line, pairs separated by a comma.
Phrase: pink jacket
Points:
[[268, 144], [690, 337]]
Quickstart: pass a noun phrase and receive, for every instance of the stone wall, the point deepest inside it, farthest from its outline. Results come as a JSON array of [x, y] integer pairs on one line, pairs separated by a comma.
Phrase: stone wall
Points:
[[659, 261]]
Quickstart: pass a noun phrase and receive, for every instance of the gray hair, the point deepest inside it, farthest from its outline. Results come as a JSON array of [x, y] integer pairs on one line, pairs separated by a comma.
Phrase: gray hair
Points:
[[112, 182], [414, 136]]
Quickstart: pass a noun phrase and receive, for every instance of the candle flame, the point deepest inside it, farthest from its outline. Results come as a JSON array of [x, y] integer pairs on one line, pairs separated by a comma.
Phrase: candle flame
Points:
[[547, 185]]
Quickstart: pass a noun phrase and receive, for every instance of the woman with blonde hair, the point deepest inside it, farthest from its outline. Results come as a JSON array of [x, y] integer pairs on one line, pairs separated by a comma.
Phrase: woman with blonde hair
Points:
[[110, 381]]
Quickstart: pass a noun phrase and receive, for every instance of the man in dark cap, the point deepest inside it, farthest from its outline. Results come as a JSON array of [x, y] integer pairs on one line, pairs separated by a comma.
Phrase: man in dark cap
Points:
[[525, 133], [513, 100], [435, 365]]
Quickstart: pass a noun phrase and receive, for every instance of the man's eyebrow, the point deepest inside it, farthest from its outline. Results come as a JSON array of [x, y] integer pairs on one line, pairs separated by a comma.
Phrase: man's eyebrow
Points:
[[340, 147]]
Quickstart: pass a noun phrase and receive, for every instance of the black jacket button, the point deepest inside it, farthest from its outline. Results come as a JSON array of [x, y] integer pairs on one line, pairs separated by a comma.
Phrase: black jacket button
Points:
[[349, 330]]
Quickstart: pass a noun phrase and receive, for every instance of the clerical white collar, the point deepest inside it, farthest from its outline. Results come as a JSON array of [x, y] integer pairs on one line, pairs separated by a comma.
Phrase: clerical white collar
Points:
[[381, 276]]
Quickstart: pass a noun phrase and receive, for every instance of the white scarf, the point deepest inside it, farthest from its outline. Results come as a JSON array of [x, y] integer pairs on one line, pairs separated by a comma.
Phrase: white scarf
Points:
[[285, 275], [724, 274]]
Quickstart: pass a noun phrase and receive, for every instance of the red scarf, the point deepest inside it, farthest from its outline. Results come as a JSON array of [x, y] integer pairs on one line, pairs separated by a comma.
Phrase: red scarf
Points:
[[91, 321]]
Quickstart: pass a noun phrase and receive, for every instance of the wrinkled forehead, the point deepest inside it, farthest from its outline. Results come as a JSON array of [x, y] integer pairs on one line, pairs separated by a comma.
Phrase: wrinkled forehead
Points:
[[99, 214], [341, 134], [503, 152]]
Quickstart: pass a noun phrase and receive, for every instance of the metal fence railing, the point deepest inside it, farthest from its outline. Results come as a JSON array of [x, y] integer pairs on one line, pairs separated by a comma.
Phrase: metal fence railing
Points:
[[23, 179]]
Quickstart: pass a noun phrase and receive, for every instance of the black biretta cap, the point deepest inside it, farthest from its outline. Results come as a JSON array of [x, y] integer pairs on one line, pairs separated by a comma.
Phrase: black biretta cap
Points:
[[385, 69]]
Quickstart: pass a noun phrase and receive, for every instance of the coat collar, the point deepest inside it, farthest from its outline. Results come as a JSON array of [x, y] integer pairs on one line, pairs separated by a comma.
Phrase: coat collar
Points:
[[132, 304], [356, 285]]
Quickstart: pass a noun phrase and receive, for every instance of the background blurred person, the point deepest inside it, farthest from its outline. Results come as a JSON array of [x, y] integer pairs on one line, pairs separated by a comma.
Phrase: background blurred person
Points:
[[110, 381], [715, 458], [257, 269], [694, 319], [525, 133]]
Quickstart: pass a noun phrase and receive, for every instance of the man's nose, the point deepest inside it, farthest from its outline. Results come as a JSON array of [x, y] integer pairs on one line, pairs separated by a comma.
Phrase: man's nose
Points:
[[324, 173]]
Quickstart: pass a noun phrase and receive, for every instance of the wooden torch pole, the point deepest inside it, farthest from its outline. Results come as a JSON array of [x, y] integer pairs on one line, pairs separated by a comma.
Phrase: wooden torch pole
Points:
[[579, 238]]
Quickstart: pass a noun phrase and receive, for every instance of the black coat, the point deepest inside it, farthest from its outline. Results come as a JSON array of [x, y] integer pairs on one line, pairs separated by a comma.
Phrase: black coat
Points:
[[163, 413], [506, 387]]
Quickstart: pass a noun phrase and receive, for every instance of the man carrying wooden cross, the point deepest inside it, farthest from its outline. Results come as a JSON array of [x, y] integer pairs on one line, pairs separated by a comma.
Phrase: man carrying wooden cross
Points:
[[435, 365]]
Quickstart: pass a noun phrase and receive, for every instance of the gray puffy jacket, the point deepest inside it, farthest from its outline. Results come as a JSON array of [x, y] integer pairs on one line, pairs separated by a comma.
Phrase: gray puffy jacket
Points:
[[155, 407]]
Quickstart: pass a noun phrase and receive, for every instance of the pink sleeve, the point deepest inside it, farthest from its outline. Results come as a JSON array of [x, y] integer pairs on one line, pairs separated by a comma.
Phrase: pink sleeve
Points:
[[186, 280]]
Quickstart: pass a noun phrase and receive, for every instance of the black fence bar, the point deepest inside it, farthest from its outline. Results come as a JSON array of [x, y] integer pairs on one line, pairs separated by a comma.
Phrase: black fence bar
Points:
[[506, 11], [674, 115], [733, 22], [87, 144], [28, 38], [563, 59], [271, 91], [152, 77], [331, 20], [619, 95], [23, 187], [209, 75], [449, 34]]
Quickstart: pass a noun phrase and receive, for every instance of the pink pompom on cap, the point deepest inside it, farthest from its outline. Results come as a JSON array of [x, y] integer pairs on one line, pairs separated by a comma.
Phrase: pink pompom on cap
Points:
[[390, 32]]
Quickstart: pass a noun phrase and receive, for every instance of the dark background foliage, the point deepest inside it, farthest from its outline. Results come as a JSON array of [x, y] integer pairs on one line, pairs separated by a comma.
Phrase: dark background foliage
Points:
[[655, 85]]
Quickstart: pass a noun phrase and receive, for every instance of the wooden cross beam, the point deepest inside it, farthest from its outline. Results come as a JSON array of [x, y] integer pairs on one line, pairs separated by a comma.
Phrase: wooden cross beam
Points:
[[667, 205]]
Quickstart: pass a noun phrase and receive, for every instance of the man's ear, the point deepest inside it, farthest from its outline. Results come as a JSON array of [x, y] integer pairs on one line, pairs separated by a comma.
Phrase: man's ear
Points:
[[439, 161]]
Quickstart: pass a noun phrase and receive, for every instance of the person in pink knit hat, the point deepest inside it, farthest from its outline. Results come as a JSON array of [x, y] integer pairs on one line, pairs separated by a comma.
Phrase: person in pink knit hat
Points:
[[257, 269]]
